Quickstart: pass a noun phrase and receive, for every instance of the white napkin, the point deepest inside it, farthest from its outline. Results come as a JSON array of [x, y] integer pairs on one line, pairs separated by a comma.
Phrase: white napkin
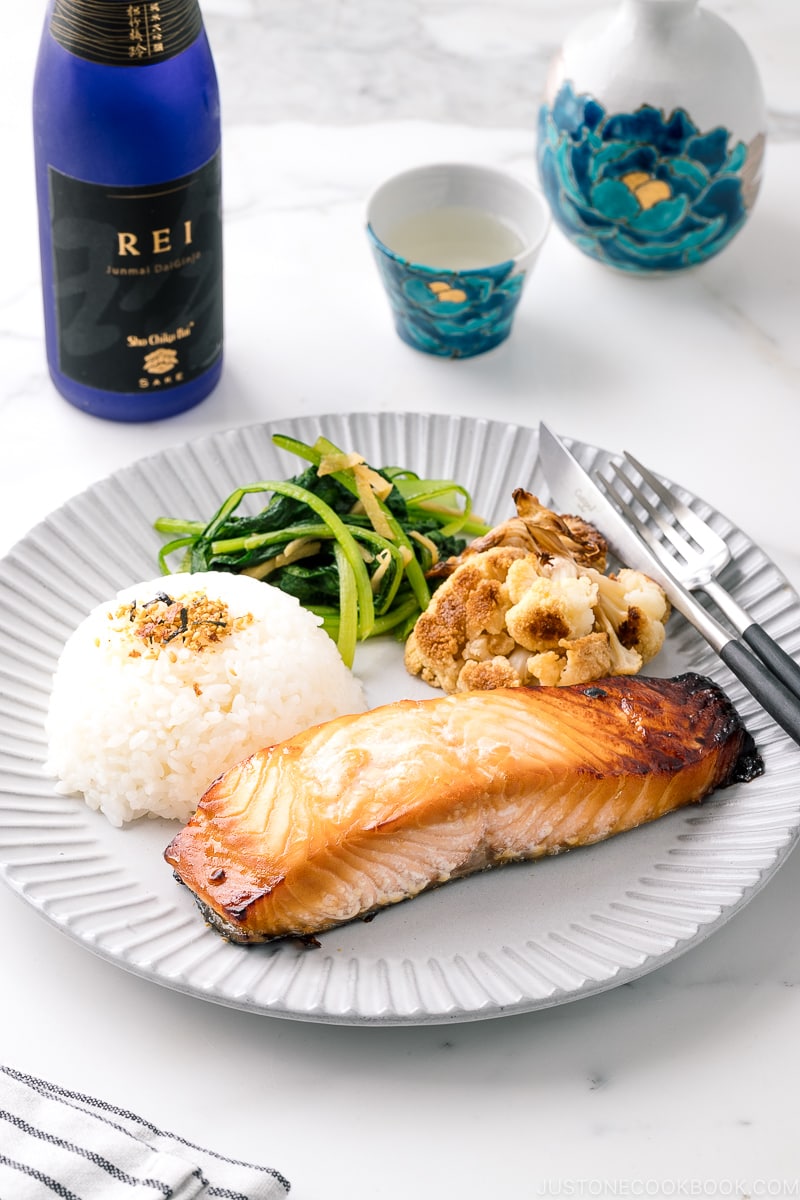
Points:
[[59, 1143]]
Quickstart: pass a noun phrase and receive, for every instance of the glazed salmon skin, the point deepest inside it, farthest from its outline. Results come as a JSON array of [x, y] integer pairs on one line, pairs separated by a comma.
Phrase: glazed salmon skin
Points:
[[367, 810]]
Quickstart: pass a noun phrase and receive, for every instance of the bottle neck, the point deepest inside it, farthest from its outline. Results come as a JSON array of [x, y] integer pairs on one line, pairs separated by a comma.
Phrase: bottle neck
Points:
[[123, 34], [659, 12]]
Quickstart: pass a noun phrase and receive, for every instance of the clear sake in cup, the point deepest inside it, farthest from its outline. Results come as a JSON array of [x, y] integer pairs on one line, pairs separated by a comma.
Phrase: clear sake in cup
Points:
[[454, 244]]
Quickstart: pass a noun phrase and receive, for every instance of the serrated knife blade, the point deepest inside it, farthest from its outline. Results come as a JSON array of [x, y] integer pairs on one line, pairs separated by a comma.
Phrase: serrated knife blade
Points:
[[574, 491]]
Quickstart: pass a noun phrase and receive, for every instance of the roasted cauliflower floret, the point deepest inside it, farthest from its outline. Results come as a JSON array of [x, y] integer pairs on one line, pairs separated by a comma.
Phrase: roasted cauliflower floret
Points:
[[469, 608], [632, 609], [523, 606], [580, 661], [550, 610], [486, 675]]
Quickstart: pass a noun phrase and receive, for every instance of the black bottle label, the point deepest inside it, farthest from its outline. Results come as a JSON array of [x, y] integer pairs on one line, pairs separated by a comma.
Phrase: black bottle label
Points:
[[137, 279], [120, 35]]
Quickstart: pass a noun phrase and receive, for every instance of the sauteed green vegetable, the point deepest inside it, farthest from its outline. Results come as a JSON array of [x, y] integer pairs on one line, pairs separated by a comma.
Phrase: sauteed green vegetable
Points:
[[353, 543]]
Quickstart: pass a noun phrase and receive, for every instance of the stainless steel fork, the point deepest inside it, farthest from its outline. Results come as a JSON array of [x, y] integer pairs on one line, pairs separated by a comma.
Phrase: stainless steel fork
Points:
[[694, 553]]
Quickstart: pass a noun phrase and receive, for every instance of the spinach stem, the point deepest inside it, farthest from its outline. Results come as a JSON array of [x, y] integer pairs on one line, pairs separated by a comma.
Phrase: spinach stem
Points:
[[366, 609], [348, 607], [433, 503]]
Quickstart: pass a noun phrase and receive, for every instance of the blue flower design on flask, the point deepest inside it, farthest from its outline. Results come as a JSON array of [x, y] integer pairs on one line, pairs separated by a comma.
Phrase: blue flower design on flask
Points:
[[643, 191]]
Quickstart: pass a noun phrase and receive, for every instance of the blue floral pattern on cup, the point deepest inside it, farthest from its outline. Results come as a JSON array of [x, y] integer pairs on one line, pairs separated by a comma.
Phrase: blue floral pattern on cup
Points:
[[455, 314], [642, 191]]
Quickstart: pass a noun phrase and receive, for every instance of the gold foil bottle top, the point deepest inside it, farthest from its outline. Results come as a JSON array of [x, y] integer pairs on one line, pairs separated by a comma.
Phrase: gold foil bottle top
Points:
[[126, 35]]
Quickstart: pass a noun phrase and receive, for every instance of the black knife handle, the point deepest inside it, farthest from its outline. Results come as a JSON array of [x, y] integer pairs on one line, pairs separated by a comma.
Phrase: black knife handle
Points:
[[773, 696], [770, 653]]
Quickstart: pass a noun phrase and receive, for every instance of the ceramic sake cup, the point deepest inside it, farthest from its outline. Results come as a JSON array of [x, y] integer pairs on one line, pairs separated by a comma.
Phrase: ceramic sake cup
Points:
[[442, 307]]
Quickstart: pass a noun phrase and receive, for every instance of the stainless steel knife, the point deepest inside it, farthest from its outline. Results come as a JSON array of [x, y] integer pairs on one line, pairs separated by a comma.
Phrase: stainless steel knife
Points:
[[574, 491]]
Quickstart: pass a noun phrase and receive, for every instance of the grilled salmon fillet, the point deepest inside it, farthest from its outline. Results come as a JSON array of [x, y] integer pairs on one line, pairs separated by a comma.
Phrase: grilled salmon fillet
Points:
[[367, 810]]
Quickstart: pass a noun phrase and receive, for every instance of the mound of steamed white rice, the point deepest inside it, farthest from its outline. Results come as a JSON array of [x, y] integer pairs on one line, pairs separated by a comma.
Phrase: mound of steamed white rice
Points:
[[161, 689]]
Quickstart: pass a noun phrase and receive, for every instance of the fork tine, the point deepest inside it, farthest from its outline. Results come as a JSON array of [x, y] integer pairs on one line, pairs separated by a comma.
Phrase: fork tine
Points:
[[694, 526], [668, 530]]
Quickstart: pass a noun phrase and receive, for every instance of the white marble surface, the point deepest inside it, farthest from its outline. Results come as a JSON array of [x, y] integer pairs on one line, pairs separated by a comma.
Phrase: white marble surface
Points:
[[686, 1077]]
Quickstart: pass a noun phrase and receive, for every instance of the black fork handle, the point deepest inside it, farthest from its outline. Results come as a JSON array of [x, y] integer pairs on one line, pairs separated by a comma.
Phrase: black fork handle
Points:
[[773, 656], [773, 696]]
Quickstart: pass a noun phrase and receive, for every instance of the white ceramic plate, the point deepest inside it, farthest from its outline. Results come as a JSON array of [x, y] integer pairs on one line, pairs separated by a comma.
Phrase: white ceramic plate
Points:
[[507, 941]]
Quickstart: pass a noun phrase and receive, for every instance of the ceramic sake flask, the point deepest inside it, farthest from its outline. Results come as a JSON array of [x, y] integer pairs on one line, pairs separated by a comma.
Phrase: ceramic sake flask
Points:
[[651, 136]]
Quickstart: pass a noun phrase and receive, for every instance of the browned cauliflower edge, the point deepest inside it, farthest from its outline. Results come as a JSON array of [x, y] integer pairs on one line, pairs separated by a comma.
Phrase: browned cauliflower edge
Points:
[[529, 604]]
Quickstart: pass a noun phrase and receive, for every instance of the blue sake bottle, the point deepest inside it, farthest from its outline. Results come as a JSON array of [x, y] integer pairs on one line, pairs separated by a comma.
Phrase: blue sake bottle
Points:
[[127, 148]]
